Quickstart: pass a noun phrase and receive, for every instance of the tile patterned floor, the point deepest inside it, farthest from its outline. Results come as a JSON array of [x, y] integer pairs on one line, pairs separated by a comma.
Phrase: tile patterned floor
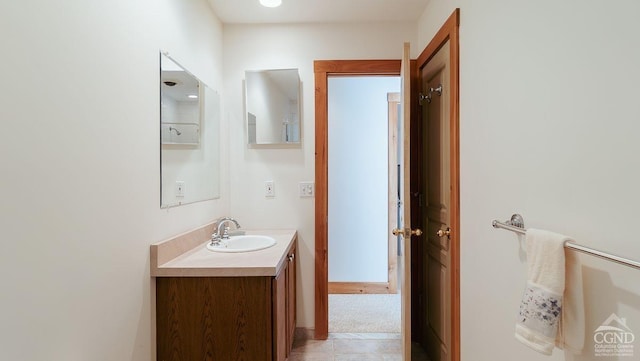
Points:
[[350, 347]]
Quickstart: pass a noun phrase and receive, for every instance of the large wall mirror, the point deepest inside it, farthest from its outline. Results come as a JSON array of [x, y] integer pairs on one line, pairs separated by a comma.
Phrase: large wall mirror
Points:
[[273, 106], [189, 132]]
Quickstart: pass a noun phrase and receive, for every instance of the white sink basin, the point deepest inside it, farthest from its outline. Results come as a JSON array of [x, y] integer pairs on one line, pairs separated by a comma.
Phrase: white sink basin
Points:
[[246, 243]]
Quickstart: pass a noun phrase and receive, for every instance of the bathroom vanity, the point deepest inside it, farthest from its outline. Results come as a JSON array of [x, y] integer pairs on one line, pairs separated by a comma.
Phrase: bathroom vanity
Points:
[[224, 306]]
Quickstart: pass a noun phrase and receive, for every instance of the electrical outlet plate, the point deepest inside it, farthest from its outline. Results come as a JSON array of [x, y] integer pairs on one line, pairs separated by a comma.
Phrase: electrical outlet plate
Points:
[[179, 188], [306, 189], [269, 189]]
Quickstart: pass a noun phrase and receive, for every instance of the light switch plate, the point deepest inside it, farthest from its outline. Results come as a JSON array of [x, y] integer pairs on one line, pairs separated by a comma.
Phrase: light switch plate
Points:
[[306, 189]]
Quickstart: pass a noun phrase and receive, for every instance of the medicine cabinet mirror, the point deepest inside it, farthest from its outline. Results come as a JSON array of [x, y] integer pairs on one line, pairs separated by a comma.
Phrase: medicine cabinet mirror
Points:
[[273, 106], [189, 131]]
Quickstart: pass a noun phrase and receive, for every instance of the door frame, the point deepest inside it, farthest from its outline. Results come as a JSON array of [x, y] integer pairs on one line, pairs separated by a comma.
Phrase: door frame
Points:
[[450, 32], [323, 69]]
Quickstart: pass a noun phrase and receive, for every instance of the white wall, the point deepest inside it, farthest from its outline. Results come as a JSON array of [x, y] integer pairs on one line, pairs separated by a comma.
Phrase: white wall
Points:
[[80, 170], [549, 128], [359, 178], [278, 47]]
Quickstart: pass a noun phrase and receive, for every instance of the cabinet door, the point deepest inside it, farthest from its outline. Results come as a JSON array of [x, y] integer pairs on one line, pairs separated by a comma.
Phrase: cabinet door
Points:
[[291, 298], [280, 316]]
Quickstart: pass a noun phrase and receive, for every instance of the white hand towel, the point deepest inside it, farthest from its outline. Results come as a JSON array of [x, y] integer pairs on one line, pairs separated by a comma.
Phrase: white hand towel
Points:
[[571, 329], [542, 303]]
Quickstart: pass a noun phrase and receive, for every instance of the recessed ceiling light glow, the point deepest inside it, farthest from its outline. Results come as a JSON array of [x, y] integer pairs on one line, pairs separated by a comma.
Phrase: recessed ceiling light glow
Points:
[[192, 96], [271, 3]]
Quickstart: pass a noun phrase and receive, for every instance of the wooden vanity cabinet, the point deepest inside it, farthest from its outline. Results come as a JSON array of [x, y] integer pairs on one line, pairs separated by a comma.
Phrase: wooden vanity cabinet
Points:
[[227, 318]]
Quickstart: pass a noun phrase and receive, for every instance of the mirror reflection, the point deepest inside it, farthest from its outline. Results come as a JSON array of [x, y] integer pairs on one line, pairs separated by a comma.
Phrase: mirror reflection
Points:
[[273, 106], [189, 147]]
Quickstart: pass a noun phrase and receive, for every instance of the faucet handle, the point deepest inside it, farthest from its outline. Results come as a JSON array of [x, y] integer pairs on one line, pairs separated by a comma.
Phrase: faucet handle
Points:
[[215, 239], [225, 233]]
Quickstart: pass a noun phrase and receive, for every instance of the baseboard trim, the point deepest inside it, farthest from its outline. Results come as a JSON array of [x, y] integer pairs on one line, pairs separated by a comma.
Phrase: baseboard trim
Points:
[[359, 288], [304, 333]]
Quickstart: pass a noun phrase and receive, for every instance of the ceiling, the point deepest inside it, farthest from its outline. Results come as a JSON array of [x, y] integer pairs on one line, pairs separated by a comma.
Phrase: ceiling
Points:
[[316, 11]]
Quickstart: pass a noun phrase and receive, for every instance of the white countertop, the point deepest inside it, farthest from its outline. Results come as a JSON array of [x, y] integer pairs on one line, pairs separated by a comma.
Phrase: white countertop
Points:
[[201, 262]]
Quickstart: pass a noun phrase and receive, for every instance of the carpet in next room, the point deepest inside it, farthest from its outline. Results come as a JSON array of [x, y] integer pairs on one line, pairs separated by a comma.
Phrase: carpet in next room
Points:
[[368, 313]]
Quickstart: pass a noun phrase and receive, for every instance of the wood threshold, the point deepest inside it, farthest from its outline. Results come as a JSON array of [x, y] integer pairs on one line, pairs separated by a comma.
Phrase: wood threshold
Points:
[[359, 288]]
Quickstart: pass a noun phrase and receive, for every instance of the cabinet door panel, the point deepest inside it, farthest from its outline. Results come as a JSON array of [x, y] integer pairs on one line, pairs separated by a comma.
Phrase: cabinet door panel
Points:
[[200, 318], [291, 297], [280, 316]]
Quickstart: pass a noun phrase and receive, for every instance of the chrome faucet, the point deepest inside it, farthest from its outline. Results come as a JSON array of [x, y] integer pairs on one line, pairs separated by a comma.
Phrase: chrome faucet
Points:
[[222, 230]]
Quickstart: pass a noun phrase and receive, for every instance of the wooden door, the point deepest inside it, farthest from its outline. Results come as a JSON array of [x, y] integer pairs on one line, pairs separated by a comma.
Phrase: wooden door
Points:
[[436, 176], [405, 201], [435, 85]]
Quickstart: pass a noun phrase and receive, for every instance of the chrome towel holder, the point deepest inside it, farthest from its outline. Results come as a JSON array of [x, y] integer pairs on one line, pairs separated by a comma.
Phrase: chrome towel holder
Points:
[[516, 224]]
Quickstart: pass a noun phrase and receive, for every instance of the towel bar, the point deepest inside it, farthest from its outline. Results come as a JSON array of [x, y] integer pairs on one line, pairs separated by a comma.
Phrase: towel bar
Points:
[[517, 225]]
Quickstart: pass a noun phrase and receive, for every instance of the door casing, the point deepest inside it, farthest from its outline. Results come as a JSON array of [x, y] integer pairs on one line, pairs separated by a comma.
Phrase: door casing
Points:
[[323, 69]]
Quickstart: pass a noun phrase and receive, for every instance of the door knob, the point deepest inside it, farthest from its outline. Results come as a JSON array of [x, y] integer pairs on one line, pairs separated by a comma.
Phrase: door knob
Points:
[[407, 232], [446, 232]]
